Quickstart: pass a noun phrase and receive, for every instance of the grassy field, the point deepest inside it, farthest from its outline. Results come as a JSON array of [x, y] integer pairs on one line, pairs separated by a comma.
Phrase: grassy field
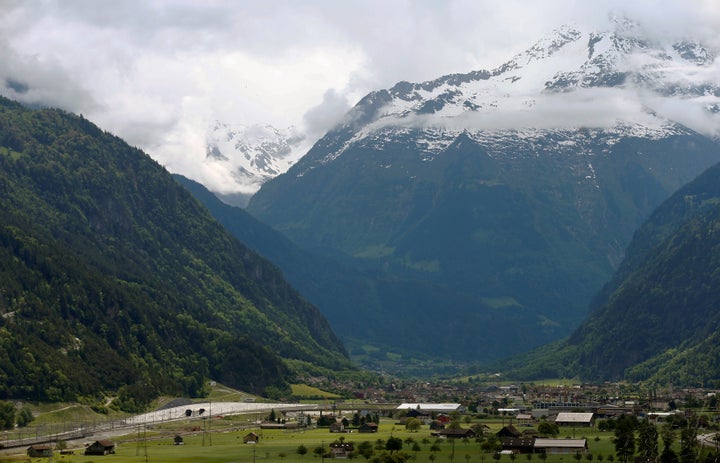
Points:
[[225, 444], [304, 391]]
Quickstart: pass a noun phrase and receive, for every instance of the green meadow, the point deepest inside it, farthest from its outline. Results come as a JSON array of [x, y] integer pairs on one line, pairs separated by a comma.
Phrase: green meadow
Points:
[[222, 441]]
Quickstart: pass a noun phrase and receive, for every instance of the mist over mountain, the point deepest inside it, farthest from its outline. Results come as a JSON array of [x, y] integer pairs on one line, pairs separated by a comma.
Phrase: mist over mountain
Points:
[[510, 194]]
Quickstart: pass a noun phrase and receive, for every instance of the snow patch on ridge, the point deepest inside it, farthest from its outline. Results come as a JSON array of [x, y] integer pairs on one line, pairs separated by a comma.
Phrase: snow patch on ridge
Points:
[[253, 154], [507, 143]]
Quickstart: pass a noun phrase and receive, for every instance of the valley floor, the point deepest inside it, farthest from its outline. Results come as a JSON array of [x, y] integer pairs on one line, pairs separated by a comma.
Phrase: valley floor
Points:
[[151, 437]]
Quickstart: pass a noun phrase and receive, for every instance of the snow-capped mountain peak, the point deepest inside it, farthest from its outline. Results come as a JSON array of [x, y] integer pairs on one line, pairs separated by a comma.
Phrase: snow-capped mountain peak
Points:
[[252, 154], [615, 79], [618, 62], [612, 80]]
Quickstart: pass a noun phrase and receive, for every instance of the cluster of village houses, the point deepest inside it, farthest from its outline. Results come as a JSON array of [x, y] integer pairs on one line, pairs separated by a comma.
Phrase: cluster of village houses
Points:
[[512, 439], [438, 416], [559, 408]]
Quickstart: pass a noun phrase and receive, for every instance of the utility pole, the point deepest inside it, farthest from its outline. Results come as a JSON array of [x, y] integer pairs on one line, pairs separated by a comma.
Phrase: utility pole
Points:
[[142, 442], [207, 427]]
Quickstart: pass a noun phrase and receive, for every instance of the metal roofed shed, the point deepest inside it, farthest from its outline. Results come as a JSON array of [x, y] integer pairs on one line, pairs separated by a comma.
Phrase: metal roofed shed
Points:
[[574, 419], [561, 446]]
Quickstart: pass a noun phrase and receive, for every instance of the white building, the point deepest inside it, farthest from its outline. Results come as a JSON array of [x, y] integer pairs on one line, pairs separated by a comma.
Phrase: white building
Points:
[[431, 407]]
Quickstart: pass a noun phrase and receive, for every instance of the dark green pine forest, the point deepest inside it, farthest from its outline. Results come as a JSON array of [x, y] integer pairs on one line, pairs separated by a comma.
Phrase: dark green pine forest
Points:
[[113, 278], [658, 319]]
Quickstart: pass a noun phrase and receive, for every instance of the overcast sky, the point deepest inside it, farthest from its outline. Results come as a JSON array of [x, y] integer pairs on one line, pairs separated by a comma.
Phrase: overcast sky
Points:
[[158, 72]]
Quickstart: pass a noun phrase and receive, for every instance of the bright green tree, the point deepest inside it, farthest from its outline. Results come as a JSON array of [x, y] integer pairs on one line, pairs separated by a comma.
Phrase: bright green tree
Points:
[[412, 424]]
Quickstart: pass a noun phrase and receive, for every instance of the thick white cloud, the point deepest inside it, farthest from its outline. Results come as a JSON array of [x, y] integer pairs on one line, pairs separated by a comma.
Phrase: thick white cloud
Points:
[[157, 72]]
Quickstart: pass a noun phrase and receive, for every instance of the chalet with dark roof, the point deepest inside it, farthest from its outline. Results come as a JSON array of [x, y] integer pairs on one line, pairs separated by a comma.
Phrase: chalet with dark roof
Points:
[[525, 444], [455, 433], [100, 447], [508, 431], [368, 427], [39, 451]]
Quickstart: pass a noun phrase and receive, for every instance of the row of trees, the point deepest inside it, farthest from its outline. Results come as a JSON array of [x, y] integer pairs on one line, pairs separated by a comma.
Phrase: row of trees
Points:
[[388, 450], [635, 437]]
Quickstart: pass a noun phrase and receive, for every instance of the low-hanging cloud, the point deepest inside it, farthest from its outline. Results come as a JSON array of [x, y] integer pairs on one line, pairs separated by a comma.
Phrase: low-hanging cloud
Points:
[[698, 114], [596, 108], [157, 73], [44, 84], [323, 117]]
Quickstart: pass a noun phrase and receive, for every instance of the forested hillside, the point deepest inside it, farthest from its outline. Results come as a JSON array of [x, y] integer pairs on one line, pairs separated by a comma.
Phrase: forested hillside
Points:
[[658, 319], [112, 277]]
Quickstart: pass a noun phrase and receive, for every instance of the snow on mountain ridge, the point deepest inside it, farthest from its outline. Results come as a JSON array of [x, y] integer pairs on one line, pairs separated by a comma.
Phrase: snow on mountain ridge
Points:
[[614, 81], [430, 142], [566, 60], [253, 154]]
